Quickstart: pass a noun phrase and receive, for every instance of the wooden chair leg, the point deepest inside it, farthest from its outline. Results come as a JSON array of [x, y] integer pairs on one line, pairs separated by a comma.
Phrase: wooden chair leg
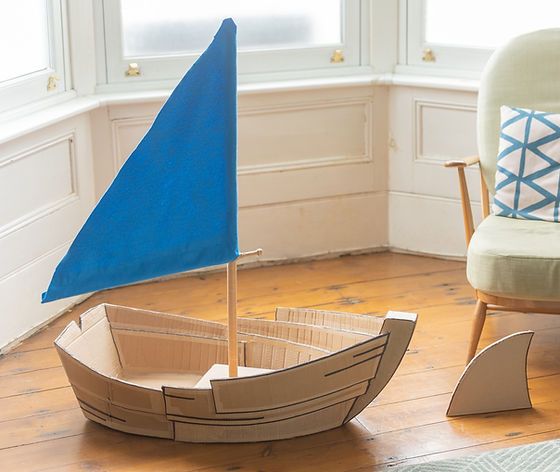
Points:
[[478, 324]]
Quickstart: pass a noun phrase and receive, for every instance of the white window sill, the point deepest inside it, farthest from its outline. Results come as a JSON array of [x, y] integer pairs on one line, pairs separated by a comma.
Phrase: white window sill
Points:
[[22, 121], [431, 81], [124, 98], [42, 114], [67, 105]]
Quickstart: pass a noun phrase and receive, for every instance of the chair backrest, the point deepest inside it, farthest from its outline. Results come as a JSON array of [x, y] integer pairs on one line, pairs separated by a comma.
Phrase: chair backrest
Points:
[[523, 73]]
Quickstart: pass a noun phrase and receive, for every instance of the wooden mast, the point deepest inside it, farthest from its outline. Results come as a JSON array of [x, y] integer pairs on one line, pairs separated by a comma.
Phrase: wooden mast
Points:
[[232, 317], [232, 311]]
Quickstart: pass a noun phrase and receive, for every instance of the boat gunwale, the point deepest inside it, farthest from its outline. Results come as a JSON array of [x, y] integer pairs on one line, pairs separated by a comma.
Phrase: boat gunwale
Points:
[[121, 326], [274, 371], [214, 338], [164, 387], [312, 361], [259, 320], [296, 324], [327, 354], [341, 313]]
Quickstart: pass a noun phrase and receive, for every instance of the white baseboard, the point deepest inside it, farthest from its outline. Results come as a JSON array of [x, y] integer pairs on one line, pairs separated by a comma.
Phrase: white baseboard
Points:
[[397, 250]]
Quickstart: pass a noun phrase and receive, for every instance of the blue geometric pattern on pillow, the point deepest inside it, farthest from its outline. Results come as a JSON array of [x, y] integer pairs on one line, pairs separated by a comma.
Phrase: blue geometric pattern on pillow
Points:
[[528, 169]]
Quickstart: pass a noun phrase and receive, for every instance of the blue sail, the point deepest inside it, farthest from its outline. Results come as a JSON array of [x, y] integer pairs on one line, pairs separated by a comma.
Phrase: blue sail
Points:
[[173, 205]]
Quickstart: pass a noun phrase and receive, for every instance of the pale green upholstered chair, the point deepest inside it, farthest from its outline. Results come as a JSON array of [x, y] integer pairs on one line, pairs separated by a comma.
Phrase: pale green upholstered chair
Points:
[[513, 264]]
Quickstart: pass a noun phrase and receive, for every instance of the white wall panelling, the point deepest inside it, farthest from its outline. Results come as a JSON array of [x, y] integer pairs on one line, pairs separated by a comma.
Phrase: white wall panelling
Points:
[[312, 134], [325, 165], [312, 149], [315, 227], [443, 131], [126, 133], [46, 193], [321, 171], [28, 182], [428, 127], [427, 224], [305, 159]]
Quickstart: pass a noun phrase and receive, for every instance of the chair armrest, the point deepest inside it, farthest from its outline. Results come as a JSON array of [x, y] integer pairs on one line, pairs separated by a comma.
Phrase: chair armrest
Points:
[[468, 161], [460, 165]]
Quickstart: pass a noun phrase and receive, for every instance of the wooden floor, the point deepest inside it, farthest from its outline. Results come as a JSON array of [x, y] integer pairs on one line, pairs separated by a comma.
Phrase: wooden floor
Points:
[[42, 428]]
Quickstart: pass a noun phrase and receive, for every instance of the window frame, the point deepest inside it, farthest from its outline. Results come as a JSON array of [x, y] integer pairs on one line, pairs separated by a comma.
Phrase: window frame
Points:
[[291, 63], [449, 60], [32, 88]]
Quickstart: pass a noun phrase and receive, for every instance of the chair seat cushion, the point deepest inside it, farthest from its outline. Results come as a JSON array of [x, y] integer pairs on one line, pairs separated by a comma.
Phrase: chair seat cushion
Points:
[[515, 258]]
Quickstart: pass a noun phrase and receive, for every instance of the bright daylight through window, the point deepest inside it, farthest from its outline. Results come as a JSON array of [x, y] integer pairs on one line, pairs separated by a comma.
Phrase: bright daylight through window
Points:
[[32, 51], [163, 39], [487, 24], [169, 27], [451, 35], [23, 23]]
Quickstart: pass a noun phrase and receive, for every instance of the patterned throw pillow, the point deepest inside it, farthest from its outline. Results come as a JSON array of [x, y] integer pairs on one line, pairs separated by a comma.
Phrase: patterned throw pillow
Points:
[[528, 171]]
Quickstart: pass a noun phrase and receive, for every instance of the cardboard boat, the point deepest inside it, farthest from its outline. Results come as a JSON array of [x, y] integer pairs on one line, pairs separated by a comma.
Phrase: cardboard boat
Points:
[[173, 208], [164, 375]]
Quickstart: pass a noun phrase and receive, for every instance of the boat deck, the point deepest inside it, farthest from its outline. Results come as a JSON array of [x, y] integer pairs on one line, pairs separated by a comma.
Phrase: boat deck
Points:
[[44, 429], [182, 379], [157, 379]]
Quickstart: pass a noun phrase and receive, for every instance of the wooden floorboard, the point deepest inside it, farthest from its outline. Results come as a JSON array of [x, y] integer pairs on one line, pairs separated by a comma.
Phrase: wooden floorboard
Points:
[[42, 428]]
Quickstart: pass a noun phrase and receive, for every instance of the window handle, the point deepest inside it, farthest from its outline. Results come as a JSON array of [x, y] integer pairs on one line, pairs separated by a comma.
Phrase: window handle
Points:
[[52, 82], [428, 55], [133, 70], [337, 56]]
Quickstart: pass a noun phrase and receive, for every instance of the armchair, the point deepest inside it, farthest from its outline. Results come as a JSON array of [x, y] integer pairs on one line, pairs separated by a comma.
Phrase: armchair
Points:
[[512, 264]]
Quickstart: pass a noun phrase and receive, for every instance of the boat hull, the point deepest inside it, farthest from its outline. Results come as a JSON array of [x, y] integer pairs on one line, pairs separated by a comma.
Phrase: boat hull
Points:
[[165, 376]]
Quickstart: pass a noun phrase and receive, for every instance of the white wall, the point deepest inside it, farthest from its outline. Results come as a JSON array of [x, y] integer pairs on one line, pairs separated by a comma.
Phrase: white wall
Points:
[[312, 181], [427, 127], [46, 192], [312, 169], [322, 170], [327, 170]]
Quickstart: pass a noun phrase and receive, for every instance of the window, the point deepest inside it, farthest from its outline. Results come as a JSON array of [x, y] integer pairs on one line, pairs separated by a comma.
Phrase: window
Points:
[[165, 37], [31, 51], [165, 28], [461, 35]]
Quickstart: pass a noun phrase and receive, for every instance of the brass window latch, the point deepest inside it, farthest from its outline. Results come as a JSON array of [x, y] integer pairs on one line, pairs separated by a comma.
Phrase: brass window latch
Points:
[[428, 55], [337, 56], [52, 82], [133, 70]]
